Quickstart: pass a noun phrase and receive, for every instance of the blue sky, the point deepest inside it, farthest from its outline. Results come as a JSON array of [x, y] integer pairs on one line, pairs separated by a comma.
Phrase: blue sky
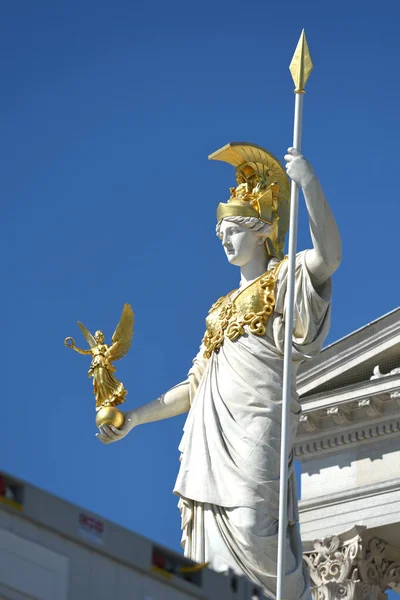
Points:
[[108, 113]]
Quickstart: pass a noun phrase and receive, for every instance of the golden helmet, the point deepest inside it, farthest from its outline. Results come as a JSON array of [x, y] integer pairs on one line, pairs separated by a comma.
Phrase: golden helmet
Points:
[[262, 191]]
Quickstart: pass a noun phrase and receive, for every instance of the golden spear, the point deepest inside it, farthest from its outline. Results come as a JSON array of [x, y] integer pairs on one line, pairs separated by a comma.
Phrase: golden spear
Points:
[[300, 68]]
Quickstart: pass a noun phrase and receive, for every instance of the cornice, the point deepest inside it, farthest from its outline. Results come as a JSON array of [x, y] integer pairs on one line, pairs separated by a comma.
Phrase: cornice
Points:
[[356, 414], [346, 496], [352, 393], [349, 352], [334, 440]]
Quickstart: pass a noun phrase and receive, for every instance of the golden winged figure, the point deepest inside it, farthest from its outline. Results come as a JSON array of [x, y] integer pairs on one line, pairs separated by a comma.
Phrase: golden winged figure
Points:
[[109, 392]]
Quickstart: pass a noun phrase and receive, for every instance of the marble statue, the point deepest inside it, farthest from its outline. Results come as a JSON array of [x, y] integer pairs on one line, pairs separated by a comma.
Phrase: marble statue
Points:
[[228, 480]]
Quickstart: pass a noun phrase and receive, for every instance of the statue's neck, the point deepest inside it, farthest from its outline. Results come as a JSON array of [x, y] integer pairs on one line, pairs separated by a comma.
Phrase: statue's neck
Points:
[[255, 267]]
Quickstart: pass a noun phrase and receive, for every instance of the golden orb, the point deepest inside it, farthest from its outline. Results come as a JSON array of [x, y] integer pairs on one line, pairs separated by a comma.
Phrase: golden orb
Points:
[[109, 415]]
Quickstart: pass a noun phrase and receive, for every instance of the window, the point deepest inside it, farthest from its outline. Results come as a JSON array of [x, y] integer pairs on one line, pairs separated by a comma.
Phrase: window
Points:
[[170, 565], [11, 492]]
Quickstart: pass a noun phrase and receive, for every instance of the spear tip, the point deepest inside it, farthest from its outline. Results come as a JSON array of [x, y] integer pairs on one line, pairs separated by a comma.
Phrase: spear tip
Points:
[[301, 65]]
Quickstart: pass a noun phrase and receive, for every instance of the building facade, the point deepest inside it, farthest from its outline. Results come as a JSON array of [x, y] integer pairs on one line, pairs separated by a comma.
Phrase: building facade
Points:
[[348, 443], [53, 550]]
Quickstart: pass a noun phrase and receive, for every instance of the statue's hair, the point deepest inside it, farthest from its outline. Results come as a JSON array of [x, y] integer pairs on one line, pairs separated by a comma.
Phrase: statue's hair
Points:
[[258, 227]]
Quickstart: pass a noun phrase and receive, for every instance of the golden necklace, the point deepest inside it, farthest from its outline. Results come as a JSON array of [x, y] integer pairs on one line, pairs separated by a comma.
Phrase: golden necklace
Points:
[[252, 307]]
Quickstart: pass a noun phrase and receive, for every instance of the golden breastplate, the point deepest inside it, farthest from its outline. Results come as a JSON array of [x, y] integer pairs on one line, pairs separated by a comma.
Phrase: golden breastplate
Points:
[[251, 307]]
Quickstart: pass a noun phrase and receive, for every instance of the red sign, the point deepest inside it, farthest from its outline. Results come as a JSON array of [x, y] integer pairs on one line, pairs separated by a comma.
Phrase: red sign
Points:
[[91, 528]]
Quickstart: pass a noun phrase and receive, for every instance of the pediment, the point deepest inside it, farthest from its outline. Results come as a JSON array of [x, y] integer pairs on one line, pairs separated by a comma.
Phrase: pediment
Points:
[[352, 359]]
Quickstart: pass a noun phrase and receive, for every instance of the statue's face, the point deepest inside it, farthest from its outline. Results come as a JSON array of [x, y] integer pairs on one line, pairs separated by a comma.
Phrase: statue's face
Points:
[[239, 243], [99, 337]]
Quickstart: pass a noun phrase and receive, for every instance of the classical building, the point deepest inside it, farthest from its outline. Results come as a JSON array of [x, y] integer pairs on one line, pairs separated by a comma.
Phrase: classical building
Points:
[[349, 446]]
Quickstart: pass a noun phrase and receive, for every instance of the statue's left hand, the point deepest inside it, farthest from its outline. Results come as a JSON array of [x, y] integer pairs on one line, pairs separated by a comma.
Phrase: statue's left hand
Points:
[[298, 168]]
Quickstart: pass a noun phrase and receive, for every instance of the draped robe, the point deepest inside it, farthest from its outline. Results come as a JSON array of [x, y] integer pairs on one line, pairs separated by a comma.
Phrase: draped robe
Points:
[[228, 481]]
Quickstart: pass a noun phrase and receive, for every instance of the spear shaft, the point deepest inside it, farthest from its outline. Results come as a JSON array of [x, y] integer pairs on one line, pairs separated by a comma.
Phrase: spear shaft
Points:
[[300, 68]]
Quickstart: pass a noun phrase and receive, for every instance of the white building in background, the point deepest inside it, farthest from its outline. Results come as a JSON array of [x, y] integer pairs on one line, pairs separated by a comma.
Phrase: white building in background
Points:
[[53, 550], [349, 445]]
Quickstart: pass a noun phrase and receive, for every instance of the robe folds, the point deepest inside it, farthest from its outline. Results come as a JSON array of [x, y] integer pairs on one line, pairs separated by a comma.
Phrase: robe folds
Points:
[[228, 481]]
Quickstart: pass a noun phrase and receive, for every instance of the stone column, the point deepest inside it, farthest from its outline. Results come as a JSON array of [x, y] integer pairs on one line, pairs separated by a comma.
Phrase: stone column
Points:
[[351, 566]]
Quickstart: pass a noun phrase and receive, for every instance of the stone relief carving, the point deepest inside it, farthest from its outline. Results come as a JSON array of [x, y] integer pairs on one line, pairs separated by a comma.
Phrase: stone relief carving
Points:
[[350, 569], [310, 422], [378, 375], [340, 414], [377, 372], [372, 406]]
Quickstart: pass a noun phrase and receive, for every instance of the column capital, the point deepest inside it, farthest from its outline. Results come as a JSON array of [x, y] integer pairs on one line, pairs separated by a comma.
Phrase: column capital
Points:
[[351, 566]]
